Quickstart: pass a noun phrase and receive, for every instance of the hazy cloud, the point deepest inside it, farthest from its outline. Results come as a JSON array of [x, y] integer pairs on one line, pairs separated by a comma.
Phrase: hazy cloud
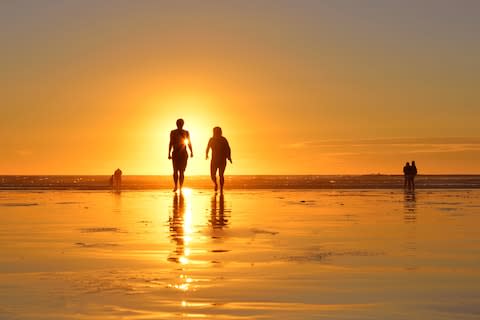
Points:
[[386, 145]]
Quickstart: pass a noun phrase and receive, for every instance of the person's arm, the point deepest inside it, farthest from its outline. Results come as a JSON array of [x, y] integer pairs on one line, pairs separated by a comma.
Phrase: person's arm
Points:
[[209, 146], [229, 152], [170, 146], [190, 144]]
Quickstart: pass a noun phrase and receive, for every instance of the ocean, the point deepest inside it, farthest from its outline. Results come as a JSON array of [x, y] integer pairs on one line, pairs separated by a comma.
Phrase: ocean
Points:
[[376, 181]]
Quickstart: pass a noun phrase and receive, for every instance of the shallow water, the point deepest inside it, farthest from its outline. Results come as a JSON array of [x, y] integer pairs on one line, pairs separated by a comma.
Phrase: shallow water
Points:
[[263, 254]]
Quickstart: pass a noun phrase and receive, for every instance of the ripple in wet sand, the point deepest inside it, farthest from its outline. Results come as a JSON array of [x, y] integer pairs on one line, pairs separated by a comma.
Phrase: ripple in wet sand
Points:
[[20, 204], [99, 229]]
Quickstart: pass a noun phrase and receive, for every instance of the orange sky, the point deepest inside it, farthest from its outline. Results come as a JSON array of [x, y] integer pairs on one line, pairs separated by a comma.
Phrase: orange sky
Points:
[[298, 87]]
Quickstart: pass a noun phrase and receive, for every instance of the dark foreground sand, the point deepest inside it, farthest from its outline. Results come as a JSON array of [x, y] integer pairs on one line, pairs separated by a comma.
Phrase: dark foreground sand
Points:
[[264, 254]]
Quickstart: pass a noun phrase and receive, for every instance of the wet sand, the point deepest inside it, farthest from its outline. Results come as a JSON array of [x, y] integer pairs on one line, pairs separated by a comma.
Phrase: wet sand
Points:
[[263, 254]]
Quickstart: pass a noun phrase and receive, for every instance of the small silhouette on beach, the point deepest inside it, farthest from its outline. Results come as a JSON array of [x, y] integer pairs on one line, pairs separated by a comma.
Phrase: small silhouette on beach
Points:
[[177, 151], [220, 153], [409, 173], [116, 180]]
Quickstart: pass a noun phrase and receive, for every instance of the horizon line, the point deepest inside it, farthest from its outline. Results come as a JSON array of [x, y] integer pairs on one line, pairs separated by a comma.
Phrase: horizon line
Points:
[[243, 175]]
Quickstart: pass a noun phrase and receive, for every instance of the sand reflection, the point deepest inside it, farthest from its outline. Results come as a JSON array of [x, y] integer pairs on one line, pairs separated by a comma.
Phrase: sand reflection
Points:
[[409, 206], [410, 218], [180, 224], [218, 215]]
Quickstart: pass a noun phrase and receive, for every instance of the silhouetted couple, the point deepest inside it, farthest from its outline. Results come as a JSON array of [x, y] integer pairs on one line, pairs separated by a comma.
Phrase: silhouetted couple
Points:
[[180, 139], [409, 172]]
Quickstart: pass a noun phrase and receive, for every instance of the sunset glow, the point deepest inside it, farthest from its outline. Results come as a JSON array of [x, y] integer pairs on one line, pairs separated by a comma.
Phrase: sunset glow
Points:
[[315, 88], [240, 159]]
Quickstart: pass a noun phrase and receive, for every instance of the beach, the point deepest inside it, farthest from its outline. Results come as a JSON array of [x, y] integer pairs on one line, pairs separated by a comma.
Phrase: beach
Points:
[[250, 254]]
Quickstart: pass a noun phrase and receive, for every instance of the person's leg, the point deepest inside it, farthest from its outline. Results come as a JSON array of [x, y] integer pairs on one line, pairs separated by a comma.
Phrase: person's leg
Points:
[[221, 171], [175, 179], [181, 178], [413, 183], [181, 166], [213, 174], [175, 174]]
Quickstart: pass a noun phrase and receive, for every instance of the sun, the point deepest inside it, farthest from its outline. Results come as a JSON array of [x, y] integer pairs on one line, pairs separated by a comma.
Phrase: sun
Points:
[[200, 115]]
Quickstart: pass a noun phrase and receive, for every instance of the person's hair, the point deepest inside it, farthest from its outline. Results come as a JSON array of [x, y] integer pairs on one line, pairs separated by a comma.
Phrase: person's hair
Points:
[[180, 123], [407, 164], [217, 132], [413, 162]]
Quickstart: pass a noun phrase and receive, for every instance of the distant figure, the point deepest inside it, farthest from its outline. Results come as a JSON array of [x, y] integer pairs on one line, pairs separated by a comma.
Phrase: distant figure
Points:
[[220, 153], [179, 140], [407, 169], [413, 174], [116, 180]]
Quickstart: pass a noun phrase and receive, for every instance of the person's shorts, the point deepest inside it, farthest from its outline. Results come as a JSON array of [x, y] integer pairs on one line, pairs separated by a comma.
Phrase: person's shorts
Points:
[[218, 163], [180, 161]]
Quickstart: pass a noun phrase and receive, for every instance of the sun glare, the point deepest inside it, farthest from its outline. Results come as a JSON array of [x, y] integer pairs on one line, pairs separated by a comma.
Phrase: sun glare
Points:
[[200, 115]]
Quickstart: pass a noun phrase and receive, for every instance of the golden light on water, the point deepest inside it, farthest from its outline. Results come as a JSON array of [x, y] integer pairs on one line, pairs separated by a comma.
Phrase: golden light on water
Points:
[[187, 192], [183, 260]]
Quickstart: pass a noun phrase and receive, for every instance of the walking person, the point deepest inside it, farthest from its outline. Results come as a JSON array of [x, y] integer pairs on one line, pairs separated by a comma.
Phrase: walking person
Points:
[[177, 151], [220, 153]]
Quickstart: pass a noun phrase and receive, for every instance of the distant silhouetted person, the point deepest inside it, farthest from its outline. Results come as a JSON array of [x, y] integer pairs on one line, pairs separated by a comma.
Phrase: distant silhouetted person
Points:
[[116, 180], [179, 140], [413, 174], [407, 170], [220, 153]]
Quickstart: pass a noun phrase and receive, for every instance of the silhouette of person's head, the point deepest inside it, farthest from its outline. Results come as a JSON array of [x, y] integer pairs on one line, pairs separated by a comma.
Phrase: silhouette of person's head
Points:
[[217, 132], [407, 164], [413, 163], [180, 123]]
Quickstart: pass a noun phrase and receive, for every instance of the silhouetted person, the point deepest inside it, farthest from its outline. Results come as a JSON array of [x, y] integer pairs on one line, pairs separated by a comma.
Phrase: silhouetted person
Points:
[[406, 174], [413, 174], [220, 153], [116, 180], [179, 140]]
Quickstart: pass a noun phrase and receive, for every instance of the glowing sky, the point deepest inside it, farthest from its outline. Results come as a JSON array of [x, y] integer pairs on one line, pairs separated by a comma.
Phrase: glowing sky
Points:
[[298, 87]]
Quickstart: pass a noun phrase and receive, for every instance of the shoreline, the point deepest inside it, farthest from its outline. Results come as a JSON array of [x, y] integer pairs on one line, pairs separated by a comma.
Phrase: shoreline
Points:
[[279, 182]]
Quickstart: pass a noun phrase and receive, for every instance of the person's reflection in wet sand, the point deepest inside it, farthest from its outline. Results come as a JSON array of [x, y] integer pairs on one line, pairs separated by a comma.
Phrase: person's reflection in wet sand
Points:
[[218, 220], [410, 218], [409, 205], [117, 202], [180, 233], [176, 223]]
